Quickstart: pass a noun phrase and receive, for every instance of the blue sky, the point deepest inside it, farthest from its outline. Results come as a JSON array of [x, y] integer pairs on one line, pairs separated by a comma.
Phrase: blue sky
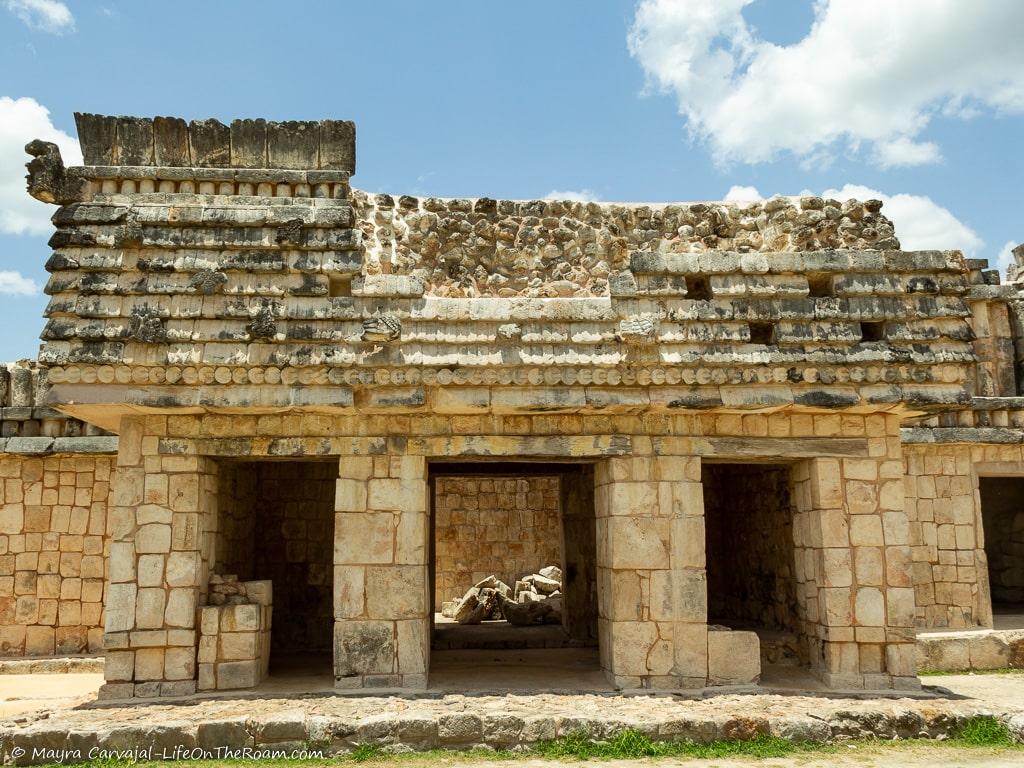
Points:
[[656, 101]]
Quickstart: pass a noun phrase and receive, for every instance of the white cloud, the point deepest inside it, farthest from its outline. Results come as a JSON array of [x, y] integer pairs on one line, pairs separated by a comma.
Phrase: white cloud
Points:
[[22, 120], [43, 15], [16, 284], [576, 196], [903, 151], [1005, 259], [868, 75], [738, 194], [921, 223]]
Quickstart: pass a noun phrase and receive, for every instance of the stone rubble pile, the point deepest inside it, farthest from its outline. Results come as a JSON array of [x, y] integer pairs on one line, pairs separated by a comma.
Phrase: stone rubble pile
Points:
[[535, 599], [228, 590]]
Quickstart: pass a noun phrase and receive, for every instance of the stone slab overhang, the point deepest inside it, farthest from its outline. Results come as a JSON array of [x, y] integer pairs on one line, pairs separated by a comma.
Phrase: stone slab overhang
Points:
[[212, 268]]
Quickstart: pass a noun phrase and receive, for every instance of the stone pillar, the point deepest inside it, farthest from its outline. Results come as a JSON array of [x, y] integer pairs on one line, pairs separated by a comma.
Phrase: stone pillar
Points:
[[381, 582], [854, 589], [163, 509], [652, 591]]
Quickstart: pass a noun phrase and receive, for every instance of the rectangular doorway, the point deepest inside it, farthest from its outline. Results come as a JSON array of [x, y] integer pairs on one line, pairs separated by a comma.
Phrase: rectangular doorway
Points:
[[751, 581], [513, 576], [1002, 512], [276, 523]]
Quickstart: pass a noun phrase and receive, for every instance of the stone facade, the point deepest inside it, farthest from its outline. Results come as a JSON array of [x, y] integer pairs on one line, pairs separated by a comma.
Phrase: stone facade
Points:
[[506, 527], [228, 305], [53, 517]]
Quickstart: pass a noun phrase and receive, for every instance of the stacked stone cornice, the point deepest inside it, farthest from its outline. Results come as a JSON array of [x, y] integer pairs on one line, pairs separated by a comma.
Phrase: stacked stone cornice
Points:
[[215, 282]]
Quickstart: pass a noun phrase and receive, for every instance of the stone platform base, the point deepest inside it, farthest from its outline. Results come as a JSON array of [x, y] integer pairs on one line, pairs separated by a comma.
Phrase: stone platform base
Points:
[[53, 665], [499, 635], [975, 649], [337, 724]]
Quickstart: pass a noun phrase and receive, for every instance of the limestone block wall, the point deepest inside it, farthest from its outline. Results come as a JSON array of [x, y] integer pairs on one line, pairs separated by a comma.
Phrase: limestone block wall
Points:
[[943, 507], [650, 538], [162, 524], [652, 595], [276, 522], [853, 562], [234, 641], [946, 510], [381, 581], [504, 526], [53, 547]]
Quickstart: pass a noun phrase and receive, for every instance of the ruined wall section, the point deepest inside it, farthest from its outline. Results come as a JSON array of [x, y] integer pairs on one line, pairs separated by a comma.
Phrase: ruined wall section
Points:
[[24, 413], [547, 248]]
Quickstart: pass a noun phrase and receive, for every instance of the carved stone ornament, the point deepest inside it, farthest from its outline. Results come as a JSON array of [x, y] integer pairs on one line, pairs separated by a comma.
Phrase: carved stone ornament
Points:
[[147, 326], [47, 179], [637, 329], [381, 328], [208, 281], [263, 326]]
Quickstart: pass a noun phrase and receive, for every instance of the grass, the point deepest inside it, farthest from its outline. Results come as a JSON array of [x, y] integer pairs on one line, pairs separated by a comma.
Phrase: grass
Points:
[[983, 732], [631, 745], [1002, 671]]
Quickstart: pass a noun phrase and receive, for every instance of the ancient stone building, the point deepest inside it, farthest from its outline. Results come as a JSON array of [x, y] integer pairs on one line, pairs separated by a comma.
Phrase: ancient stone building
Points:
[[273, 414]]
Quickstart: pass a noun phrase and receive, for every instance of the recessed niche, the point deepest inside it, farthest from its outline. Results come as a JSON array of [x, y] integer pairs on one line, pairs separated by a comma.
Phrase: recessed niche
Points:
[[872, 331], [762, 333], [820, 285], [697, 287]]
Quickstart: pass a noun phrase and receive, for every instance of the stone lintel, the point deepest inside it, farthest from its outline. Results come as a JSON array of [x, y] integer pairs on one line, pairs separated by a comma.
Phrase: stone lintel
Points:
[[780, 447]]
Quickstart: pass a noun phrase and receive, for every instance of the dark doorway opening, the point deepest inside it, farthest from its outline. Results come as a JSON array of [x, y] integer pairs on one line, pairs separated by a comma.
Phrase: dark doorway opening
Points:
[[751, 580], [276, 522], [516, 522], [1002, 512]]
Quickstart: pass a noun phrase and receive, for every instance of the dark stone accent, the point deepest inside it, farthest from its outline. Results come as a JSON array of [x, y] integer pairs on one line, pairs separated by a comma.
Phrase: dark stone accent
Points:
[[208, 281], [210, 142], [249, 143], [97, 135], [128, 235], [170, 141], [59, 262], [262, 326], [290, 233], [821, 398], [71, 238], [922, 285], [338, 145], [146, 325], [293, 144], [134, 141]]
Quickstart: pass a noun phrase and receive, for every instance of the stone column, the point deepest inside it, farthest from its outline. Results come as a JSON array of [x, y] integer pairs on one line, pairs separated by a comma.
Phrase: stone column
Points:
[[854, 589], [652, 591], [381, 582], [163, 509]]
